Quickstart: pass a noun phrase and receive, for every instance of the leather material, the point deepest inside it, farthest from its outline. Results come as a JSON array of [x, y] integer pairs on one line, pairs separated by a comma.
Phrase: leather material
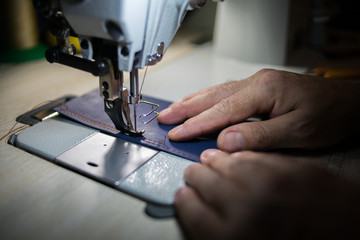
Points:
[[89, 110]]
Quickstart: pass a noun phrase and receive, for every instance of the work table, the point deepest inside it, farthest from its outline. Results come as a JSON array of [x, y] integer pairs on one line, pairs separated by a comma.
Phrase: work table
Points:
[[40, 200]]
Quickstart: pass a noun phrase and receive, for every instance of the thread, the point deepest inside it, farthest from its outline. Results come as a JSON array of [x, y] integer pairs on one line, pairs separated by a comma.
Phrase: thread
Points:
[[15, 129], [80, 117], [143, 81]]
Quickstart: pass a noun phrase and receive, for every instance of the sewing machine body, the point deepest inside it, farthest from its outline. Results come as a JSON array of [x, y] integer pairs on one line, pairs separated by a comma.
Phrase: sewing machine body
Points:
[[148, 174]]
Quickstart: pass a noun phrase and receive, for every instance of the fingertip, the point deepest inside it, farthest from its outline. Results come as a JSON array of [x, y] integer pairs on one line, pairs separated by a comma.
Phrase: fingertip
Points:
[[181, 193], [164, 116], [182, 132], [209, 155], [171, 115], [164, 112]]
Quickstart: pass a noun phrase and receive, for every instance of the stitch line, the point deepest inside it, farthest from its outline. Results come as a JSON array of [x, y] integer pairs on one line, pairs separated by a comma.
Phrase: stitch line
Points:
[[111, 128]]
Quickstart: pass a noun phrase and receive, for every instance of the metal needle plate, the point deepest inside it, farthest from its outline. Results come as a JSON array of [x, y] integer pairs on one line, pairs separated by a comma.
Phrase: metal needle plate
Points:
[[106, 158]]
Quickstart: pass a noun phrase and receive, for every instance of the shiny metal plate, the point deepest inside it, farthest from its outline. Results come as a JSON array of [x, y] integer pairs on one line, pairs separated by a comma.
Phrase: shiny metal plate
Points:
[[105, 158]]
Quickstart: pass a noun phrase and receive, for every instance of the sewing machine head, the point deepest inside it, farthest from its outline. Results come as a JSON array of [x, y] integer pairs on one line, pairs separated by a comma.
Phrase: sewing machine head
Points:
[[116, 36]]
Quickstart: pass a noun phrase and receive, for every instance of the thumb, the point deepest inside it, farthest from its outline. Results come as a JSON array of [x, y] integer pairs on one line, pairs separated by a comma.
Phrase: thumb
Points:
[[273, 133]]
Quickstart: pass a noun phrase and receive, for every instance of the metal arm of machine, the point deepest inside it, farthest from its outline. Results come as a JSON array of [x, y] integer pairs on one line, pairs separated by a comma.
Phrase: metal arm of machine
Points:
[[98, 68], [116, 36]]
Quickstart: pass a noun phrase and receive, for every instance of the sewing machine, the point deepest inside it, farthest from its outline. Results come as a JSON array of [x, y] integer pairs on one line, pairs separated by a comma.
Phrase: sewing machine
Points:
[[116, 39]]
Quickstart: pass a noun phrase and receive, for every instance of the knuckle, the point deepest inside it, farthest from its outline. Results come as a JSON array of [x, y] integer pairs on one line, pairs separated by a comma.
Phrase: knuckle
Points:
[[264, 70], [232, 105], [221, 90], [177, 105], [270, 80], [224, 108], [305, 131], [227, 109], [185, 107], [182, 106], [229, 86]]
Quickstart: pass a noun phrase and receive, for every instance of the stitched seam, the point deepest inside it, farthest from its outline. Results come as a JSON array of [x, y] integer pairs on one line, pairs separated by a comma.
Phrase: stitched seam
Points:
[[111, 128], [89, 120]]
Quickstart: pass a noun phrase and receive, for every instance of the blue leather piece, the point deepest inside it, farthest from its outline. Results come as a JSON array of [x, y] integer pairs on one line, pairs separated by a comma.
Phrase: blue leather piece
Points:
[[89, 110]]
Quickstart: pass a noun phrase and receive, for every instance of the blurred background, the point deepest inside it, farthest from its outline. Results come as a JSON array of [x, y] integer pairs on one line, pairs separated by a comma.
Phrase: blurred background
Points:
[[321, 30]]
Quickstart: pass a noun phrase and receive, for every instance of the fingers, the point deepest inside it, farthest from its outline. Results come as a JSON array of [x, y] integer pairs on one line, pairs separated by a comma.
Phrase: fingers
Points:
[[228, 192], [195, 216], [240, 168], [214, 108], [225, 163], [198, 102], [249, 170], [233, 104], [276, 205], [213, 189], [233, 109], [279, 132]]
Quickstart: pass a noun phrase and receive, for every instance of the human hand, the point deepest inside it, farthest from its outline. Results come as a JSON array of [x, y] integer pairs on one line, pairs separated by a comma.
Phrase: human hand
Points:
[[305, 112], [248, 195]]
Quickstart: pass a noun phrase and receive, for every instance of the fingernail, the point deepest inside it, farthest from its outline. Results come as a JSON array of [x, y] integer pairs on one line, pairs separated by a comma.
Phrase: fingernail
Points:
[[233, 141], [208, 154]]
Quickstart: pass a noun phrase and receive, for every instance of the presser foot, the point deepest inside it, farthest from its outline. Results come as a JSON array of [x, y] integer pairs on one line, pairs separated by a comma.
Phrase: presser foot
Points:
[[117, 112]]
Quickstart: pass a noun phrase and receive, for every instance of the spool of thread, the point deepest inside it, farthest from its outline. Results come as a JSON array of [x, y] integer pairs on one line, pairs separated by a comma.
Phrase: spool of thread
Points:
[[21, 31]]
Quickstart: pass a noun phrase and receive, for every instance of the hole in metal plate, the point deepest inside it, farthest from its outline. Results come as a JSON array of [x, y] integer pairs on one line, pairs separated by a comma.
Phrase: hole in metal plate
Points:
[[92, 164]]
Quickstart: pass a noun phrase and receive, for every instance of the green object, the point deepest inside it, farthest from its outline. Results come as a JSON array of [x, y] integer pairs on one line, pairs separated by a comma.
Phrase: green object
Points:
[[17, 56]]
